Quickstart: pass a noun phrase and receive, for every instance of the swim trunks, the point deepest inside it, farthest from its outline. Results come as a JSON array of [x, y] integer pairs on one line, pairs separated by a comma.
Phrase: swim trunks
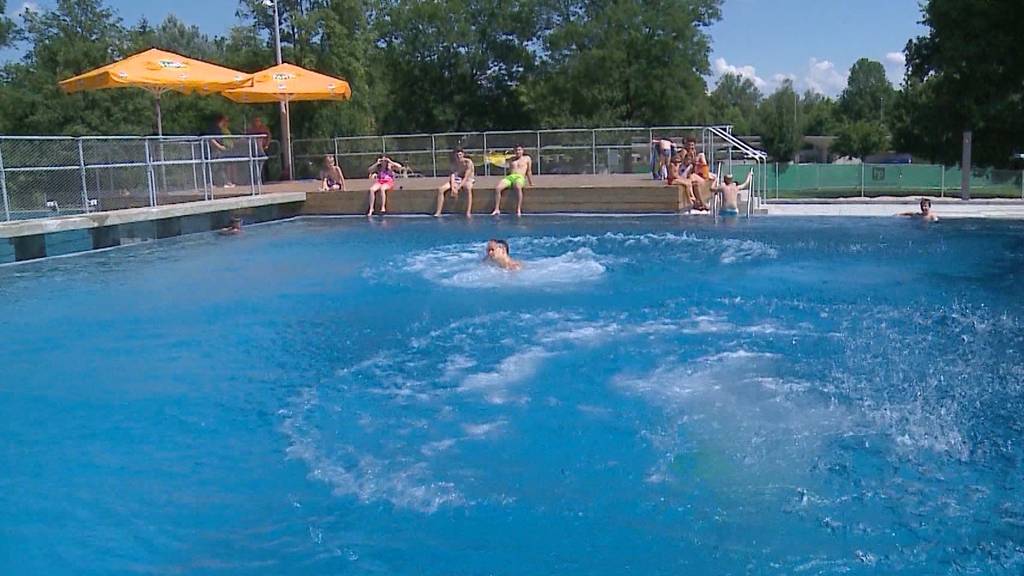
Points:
[[513, 179], [458, 181], [386, 179]]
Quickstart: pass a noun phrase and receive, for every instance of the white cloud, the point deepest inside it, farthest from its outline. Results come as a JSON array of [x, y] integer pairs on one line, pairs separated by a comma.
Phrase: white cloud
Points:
[[895, 66], [722, 68], [778, 79], [823, 78], [896, 58], [29, 7]]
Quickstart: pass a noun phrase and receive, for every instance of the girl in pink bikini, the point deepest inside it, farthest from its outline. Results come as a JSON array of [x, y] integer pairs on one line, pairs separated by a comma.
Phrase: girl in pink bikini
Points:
[[382, 177]]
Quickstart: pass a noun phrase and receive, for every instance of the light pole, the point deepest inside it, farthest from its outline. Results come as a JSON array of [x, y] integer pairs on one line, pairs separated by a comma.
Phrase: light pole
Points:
[[286, 124]]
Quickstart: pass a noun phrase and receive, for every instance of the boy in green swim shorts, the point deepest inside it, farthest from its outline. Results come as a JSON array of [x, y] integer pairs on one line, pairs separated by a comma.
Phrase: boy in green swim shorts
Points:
[[519, 167]]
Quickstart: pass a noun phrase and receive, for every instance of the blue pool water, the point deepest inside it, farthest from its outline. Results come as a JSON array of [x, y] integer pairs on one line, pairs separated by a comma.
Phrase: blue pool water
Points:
[[652, 395]]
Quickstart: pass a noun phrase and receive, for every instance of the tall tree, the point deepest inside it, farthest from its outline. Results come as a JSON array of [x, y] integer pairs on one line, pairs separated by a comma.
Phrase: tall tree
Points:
[[734, 101], [819, 114], [969, 68], [75, 36], [779, 124], [616, 62], [860, 139], [6, 26], [868, 92]]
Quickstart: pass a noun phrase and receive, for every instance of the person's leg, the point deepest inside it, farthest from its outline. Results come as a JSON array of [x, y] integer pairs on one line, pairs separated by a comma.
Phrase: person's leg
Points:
[[502, 185], [384, 198], [440, 196], [372, 198], [519, 198], [468, 187]]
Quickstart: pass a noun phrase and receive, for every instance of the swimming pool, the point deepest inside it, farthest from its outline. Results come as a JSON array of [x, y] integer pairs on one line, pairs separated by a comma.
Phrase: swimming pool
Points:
[[656, 395]]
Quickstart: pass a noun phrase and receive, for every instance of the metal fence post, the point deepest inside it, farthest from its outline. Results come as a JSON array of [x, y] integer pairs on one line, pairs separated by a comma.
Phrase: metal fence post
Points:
[[150, 177], [202, 167], [593, 151], [776, 180], [487, 154], [942, 181], [861, 179], [252, 167], [81, 170], [538, 152], [433, 153], [3, 185], [383, 146], [1022, 184]]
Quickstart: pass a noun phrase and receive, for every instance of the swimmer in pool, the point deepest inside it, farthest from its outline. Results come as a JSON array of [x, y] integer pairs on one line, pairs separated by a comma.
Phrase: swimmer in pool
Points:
[[233, 229], [925, 214], [498, 253], [731, 193]]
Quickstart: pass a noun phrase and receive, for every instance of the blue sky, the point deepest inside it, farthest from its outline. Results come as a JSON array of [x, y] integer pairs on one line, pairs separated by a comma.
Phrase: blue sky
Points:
[[814, 42]]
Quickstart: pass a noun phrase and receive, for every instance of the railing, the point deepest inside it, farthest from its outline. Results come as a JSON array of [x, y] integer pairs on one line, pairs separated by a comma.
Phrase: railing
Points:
[[565, 151], [54, 176], [864, 180]]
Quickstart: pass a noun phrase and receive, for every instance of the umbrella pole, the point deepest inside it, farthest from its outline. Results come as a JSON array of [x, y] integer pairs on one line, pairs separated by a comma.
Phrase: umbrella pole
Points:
[[159, 120], [286, 139]]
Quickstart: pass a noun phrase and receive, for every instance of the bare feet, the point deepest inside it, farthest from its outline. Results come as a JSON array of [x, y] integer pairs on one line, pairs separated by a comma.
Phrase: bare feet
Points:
[[496, 212], [519, 213], [370, 213], [437, 214], [469, 214]]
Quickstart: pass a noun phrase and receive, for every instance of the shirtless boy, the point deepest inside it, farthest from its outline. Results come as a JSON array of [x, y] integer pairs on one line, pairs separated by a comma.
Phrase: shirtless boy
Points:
[[498, 254], [520, 167], [731, 193], [461, 178]]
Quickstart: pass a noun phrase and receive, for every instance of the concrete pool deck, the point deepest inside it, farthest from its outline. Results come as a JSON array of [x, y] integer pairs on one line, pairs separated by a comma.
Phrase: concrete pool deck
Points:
[[551, 194]]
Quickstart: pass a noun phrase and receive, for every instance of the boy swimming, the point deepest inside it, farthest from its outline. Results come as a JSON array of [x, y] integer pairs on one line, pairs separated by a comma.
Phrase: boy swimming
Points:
[[498, 254]]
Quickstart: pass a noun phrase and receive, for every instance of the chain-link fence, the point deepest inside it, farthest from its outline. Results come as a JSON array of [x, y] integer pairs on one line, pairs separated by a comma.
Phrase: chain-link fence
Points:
[[568, 151], [843, 180], [53, 176]]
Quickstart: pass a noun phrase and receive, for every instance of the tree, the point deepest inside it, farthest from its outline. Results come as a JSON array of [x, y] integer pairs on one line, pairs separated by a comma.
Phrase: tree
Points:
[[819, 114], [734, 101], [75, 36], [968, 72], [621, 62], [778, 122], [860, 139], [867, 93], [7, 28]]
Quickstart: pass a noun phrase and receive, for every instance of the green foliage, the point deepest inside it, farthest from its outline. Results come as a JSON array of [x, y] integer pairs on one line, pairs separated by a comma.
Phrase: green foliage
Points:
[[7, 29], [868, 92], [621, 62], [819, 115], [966, 74], [778, 123], [861, 138], [735, 101]]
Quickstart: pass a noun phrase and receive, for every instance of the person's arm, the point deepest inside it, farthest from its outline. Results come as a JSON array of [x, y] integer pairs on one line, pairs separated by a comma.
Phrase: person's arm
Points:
[[470, 170], [746, 183], [529, 172], [341, 178]]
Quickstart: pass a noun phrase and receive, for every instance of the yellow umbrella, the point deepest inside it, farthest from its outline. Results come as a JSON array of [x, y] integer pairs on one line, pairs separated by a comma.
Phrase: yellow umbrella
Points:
[[158, 71], [286, 83], [289, 83]]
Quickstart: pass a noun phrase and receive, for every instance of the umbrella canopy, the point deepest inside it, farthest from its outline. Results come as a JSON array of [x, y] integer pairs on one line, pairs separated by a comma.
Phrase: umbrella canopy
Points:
[[290, 83], [158, 71]]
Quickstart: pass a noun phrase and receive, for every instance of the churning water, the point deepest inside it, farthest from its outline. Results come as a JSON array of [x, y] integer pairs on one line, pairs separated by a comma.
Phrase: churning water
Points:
[[648, 395]]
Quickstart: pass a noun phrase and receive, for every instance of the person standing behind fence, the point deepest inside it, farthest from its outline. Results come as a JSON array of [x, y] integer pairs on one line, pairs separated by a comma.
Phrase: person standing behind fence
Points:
[[261, 144], [220, 148], [382, 176], [663, 149]]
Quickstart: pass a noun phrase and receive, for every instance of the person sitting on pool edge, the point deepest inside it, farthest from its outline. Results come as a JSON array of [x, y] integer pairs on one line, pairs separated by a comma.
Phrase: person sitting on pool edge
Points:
[[498, 253], [731, 193], [520, 165], [925, 214], [331, 176], [382, 173], [461, 177]]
